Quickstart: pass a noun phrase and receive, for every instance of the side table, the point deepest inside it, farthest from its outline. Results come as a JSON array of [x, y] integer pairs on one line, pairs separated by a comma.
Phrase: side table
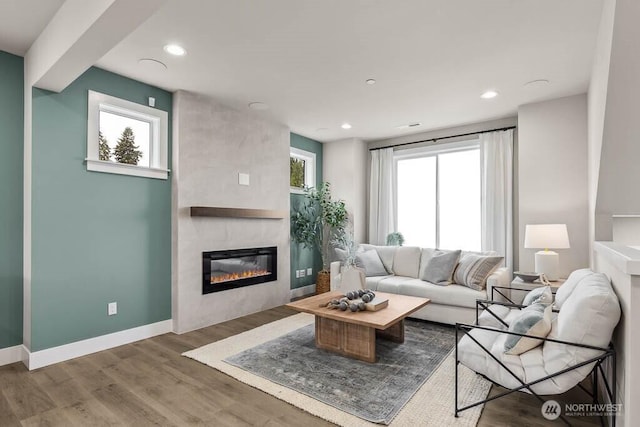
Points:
[[518, 295]]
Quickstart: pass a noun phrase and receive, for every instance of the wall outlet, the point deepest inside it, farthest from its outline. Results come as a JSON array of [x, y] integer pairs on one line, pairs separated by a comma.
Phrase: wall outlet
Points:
[[243, 179], [302, 273], [309, 271], [112, 308], [297, 274]]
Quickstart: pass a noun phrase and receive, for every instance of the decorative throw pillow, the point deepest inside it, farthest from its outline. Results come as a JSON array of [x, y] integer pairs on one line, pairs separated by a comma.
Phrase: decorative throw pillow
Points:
[[370, 261], [542, 295], [533, 320], [341, 254], [473, 270], [440, 267]]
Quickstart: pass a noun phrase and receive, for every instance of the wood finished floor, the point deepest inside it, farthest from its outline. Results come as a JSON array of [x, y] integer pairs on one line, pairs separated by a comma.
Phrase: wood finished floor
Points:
[[149, 383]]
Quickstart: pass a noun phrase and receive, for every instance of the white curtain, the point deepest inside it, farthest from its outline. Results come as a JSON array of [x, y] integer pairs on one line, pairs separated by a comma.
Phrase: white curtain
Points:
[[496, 154], [381, 197]]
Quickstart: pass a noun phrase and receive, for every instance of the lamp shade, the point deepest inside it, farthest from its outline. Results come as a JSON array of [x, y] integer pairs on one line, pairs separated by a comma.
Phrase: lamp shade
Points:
[[547, 236]]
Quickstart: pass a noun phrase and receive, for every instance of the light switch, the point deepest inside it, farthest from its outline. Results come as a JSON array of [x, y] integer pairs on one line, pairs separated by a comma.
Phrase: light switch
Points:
[[152, 101], [243, 178]]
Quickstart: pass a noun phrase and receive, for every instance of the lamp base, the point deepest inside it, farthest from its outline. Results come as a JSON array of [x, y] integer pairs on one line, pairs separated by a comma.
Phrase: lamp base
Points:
[[547, 263]]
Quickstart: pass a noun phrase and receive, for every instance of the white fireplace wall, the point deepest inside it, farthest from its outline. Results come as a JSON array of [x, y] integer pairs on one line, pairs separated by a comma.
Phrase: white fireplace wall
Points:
[[212, 144]]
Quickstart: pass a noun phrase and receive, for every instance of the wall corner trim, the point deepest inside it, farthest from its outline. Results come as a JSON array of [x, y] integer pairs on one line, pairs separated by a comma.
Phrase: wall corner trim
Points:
[[49, 356], [11, 355]]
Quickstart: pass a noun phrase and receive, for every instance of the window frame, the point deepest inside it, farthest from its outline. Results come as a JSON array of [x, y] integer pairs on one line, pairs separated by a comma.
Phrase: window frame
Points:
[[429, 151], [158, 136], [309, 168]]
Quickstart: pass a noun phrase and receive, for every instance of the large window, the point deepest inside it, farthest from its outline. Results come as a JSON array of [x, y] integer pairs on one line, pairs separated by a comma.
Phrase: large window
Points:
[[126, 138], [438, 196]]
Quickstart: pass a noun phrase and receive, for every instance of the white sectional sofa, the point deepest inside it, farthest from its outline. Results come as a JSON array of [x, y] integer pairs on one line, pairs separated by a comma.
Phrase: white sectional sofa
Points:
[[404, 266]]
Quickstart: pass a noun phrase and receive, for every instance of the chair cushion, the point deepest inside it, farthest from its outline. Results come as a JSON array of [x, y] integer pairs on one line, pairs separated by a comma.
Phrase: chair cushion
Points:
[[473, 270], [371, 263], [406, 261], [440, 267], [542, 294], [569, 285], [533, 320], [455, 295]]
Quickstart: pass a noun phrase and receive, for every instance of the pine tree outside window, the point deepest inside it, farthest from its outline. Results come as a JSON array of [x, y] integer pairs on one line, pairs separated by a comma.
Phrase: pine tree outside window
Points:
[[302, 170], [126, 138]]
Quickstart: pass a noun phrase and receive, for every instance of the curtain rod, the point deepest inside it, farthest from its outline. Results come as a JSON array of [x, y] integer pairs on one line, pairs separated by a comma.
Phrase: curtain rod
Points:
[[444, 137]]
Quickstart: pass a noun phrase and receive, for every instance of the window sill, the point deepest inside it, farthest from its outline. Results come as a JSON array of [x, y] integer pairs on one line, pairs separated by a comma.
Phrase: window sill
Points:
[[124, 169], [294, 190]]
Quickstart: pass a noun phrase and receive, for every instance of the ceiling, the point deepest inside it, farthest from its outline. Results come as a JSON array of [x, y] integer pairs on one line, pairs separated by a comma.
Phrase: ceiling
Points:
[[308, 60], [22, 21]]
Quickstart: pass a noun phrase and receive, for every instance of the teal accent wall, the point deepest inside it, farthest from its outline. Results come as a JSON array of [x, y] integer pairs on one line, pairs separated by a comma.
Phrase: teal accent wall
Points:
[[300, 256], [96, 237], [11, 172]]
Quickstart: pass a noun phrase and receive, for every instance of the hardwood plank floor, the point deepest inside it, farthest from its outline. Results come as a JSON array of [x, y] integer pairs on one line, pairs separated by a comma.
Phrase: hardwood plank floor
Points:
[[148, 383]]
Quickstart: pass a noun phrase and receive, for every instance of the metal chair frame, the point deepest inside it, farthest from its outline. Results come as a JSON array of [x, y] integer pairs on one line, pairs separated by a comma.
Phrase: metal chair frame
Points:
[[607, 353]]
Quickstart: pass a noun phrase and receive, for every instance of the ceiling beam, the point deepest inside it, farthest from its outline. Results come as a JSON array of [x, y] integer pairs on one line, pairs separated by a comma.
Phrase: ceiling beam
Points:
[[80, 33]]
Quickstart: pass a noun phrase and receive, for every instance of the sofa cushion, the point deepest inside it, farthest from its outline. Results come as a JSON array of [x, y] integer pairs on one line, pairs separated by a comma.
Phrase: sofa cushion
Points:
[[386, 254], [542, 294], [473, 270], [440, 267], [371, 263], [406, 261], [372, 282], [425, 255], [455, 295], [533, 320], [391, 284]]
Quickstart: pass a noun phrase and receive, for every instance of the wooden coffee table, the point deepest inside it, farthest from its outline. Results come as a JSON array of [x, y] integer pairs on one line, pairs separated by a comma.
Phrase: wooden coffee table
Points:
[[353, 334]]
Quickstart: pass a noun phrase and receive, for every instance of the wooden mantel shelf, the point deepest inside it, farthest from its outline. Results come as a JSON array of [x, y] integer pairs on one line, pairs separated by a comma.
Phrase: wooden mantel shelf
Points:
[[238, 213]]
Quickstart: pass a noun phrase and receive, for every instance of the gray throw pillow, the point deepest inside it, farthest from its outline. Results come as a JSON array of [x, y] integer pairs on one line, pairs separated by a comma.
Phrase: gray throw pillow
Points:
[[370, 261], [440, 267], [474, 270], [542, 294], [533, 320], [341, 254]]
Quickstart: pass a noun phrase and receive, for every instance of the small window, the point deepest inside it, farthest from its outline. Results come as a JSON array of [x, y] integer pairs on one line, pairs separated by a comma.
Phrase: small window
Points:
[[126, 138], [302, 170]]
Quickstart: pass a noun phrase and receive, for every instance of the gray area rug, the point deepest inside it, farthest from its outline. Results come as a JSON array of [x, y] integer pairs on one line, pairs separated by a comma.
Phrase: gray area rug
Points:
[[374, 392]]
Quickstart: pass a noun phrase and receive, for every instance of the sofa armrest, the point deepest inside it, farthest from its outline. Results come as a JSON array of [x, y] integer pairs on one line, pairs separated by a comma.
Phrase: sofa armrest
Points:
[[500, 277], [334, 275]]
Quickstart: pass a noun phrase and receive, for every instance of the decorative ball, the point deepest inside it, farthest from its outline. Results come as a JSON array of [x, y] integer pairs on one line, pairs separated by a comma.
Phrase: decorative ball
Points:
[[366, 297], [353, 307], [360, 292], [350, 295], [344, 299], [335, 301], [343, 306], [361, 306]]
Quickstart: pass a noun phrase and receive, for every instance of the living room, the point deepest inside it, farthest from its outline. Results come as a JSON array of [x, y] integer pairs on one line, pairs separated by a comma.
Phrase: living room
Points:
[[92, 261]]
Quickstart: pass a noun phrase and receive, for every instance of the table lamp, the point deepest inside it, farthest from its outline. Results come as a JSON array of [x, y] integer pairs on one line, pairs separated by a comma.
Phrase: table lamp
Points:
[[545, 236]]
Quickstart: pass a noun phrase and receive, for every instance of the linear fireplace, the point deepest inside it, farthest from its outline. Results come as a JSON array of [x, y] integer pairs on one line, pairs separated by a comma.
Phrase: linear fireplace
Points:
[[230, 269]]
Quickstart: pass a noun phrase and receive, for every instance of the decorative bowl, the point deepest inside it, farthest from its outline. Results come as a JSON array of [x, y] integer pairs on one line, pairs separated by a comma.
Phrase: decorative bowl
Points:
[[526, 276]]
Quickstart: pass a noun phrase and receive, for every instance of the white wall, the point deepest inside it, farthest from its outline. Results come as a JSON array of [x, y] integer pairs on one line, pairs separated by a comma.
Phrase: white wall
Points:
[[345, 164], [552, 176], [597, 99], [211, 145], [619, 173]]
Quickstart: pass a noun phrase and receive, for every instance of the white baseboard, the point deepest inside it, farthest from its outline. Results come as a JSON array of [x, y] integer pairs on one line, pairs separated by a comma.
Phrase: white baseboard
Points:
[[303, 291], [10, 355], [49, 356]]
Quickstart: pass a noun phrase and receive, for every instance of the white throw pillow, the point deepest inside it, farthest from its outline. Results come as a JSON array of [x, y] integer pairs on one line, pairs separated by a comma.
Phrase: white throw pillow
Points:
[[406, 261]]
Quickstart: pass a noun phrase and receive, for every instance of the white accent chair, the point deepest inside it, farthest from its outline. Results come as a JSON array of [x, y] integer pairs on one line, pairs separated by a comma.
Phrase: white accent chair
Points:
[[586, 313]]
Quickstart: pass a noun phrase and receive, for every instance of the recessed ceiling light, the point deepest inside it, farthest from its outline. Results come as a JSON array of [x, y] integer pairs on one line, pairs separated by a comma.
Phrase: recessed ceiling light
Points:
[[322, 129], [370, 81], [489, 94], [175, 49], [258, 106], [346, 126]]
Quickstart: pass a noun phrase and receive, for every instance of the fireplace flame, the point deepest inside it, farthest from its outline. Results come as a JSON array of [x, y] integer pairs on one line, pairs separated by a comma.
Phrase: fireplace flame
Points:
[[236, 276]]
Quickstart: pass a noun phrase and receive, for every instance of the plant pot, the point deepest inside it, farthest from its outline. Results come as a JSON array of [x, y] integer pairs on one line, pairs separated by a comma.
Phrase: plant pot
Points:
[[323, 282]]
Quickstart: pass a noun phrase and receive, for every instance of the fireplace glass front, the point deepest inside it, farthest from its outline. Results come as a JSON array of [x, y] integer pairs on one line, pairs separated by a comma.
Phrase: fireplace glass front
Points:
[[229, 269]]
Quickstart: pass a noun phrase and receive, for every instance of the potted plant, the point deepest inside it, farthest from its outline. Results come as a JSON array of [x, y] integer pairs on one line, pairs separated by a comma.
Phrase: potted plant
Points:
[[318, 222]]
